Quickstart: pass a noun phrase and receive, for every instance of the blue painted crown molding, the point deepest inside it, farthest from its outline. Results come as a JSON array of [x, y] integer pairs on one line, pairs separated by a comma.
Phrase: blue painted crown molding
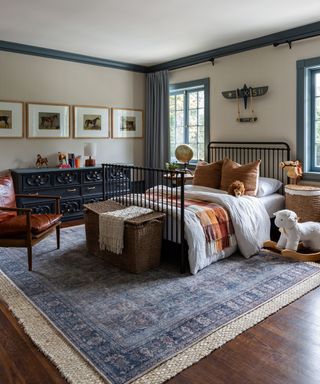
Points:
[[68, 56], [287, 36]]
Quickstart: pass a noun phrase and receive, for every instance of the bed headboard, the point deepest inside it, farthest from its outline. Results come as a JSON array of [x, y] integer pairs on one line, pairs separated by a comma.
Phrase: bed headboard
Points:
[[270, 154]]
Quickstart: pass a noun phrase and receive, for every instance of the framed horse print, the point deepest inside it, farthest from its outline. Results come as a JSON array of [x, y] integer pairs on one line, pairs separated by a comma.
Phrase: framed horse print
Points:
[[48, 121], [90, 122], [11, 119], [127, 123]]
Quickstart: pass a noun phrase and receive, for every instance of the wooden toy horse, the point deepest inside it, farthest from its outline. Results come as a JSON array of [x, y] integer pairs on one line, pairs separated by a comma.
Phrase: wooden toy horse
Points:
[[41, 161]]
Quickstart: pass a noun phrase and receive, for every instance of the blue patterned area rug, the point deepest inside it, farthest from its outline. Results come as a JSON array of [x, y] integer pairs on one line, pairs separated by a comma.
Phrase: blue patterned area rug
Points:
[[139, 328]]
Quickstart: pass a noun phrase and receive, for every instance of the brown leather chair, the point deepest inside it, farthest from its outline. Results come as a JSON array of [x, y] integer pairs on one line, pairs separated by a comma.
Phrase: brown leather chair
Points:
[[18, 226]]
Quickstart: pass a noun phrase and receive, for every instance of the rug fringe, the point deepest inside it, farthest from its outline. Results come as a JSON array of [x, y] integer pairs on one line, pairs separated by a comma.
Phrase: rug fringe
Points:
[[77, 370]]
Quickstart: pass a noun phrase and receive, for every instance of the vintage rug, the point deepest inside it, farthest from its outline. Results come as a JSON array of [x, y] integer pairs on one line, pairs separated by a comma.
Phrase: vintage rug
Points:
[[101, 325]]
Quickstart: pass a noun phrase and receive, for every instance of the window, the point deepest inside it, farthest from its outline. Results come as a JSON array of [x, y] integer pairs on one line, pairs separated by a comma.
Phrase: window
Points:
[[308, 116], [189, 117]]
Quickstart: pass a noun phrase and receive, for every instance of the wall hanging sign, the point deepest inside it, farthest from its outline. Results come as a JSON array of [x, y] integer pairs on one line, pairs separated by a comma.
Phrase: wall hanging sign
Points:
[[245, 93], [91, 122], [127, 123], [50, 121], [11, 119]]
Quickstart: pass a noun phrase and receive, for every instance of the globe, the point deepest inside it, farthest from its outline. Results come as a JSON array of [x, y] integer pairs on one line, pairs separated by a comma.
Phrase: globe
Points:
[[184, 153]]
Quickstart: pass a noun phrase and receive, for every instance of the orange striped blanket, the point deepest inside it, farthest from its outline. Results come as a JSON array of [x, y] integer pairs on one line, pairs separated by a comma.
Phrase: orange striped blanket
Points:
[[216, 223]]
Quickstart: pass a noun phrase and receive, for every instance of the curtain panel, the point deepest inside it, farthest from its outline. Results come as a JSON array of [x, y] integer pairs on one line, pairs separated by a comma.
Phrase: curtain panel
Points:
[[157, 119]]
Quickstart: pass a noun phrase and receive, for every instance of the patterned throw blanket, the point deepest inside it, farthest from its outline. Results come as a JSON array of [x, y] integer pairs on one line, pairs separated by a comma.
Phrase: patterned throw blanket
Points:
[[214, 219], [216, 223]]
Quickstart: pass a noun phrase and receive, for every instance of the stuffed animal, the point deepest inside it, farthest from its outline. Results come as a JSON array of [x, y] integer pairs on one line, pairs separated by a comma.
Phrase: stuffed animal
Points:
[[292, 232], [236, 188], [294, 170]]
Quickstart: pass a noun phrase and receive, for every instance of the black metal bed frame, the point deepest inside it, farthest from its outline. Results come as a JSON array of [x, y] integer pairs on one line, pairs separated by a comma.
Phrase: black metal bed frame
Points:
[[140, 185]]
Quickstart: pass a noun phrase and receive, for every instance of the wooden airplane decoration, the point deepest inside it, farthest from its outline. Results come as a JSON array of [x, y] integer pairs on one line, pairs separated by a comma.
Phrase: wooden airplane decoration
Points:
[[245, 93]]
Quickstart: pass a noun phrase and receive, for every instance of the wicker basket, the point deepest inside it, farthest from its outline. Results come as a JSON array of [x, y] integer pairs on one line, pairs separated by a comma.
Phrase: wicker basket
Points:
[[304, 200], [142, 238]]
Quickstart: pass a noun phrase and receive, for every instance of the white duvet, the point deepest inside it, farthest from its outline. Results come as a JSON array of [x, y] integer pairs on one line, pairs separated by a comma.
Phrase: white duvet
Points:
[[249, 217]]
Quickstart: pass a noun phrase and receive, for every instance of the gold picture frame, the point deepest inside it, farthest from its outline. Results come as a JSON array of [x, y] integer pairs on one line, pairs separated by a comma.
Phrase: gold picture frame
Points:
[[48, 121], [12, 118], [127, 123], [91, 122]]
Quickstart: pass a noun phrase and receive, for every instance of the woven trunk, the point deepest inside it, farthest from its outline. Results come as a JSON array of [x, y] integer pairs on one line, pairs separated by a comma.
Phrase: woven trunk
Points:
[[142, 238]]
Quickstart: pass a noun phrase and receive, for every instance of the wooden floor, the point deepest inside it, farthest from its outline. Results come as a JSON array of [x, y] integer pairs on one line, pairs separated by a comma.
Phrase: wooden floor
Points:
[[283, 349]]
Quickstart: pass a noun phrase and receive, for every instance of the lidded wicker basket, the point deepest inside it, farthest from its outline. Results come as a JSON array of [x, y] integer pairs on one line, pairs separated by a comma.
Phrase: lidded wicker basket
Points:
[[142, 238], [304, 200]]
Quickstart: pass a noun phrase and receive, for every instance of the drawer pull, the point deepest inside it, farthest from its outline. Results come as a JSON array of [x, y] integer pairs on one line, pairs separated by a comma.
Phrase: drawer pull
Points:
[[71, 190], [91, 187]]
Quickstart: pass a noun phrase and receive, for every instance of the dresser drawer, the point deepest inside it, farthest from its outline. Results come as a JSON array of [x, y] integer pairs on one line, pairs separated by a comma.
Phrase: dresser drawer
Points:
[[36, 181], [92, 176], [71, 207], [39, 207], [66, 178], [91, 189], [92, 199]]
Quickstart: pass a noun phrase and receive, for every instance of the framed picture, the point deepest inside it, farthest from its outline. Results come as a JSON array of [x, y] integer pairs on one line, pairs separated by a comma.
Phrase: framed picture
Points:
[[127, 123], [91, 122], [11, 119], [50, 121]]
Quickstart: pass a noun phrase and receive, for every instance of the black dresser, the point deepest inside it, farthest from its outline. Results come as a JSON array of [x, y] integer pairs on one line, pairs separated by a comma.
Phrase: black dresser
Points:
[[76, 186]]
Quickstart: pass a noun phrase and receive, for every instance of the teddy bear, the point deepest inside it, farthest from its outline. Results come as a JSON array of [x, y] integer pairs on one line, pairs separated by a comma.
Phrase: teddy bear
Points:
[[292, 232], [236, 188]]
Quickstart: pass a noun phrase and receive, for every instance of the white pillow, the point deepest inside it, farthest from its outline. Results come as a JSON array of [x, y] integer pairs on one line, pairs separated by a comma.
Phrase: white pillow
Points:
[[268, 186]]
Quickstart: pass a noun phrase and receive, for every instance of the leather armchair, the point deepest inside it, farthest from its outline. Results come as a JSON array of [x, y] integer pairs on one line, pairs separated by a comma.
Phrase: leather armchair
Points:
[[18, 226]]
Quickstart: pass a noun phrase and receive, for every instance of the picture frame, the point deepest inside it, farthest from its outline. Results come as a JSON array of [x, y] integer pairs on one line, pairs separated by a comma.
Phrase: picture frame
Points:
[[48, 121], [127, 123], [11, 119], [91, 122]]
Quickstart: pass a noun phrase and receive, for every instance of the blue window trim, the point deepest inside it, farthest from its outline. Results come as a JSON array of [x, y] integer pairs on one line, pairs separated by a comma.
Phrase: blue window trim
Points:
[[305, 150], [205, 83]]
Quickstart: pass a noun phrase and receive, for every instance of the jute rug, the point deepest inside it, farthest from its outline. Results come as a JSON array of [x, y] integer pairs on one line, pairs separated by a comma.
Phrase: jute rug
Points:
[[101, 325]]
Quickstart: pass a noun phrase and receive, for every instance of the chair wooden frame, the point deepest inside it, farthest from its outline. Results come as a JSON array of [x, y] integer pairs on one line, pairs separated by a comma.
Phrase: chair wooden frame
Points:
[[30, 239]]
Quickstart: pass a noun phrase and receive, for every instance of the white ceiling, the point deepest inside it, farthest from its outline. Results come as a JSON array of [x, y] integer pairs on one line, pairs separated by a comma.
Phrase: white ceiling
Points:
[[147, 32]]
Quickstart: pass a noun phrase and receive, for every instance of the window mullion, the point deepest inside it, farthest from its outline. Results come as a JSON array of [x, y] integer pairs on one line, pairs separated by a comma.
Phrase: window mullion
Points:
[[186, 120]]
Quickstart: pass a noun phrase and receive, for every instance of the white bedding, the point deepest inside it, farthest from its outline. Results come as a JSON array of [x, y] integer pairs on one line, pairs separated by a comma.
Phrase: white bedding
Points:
[[249, 218], [273, 203], [248, 215]]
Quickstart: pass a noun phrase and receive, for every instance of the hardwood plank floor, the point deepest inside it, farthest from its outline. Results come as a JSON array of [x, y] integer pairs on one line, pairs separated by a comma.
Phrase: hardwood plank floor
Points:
[[283, 349]]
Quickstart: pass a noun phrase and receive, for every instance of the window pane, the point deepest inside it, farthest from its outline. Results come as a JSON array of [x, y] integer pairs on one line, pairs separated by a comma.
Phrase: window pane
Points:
[[201, 151], [317, 155], [194, 147], [193, 118], [193, 134], [317, 84], [317, 135], [201, 99], [172, 100], [172, 119], [201, 116], [201, 134], [180, 102], [317, 111], [179, 135], [193, 99], [180, 119]]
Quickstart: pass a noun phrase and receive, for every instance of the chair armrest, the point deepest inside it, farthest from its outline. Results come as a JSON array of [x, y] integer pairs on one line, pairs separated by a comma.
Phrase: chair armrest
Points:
[[26, 210], [35, 196]]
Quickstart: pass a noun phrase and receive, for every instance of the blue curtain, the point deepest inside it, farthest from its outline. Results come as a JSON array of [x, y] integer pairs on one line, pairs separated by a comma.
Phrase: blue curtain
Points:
[[157, 119]]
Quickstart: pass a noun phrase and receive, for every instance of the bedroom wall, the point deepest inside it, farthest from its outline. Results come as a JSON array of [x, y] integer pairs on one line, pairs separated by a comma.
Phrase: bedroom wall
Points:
[[37, 79], [276, 111]]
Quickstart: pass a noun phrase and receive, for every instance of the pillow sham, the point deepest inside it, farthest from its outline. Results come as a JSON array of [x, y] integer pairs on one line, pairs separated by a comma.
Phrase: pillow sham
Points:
[[208, 174], [267, 186], [247, 173]]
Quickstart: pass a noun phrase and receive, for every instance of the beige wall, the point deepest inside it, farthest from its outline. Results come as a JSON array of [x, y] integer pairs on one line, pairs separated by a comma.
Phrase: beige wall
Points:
[[276, 111], [31, 78]]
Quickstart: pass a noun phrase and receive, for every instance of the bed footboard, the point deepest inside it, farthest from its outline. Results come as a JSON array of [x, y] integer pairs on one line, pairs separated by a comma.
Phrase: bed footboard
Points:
[[157, 189]]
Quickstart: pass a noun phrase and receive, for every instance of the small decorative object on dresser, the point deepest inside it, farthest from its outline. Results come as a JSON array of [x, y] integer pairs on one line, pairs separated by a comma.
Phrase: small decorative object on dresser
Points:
[[41, 161], [304, 200], [90, 149]]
